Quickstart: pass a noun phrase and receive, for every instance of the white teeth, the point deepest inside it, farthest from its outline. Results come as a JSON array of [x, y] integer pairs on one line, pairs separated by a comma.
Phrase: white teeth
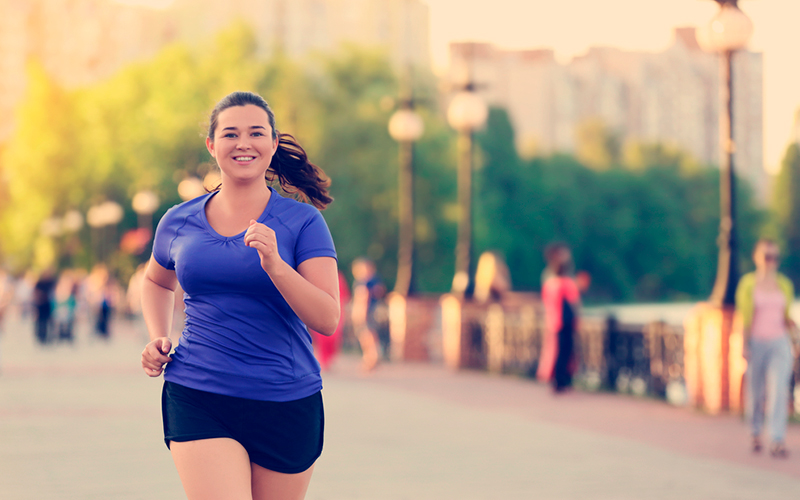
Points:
[[243, 158]]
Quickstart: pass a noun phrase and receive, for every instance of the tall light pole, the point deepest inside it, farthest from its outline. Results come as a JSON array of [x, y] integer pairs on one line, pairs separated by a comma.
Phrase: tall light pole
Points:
[[406, 127], [726, 33], [714, 366], [190, 188], [467, 112], [102, 216], [145, 203]]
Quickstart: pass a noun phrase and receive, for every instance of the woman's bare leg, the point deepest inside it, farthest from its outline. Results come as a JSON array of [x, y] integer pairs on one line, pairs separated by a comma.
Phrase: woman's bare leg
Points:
[[271, 485], [369, 349], [213, 469]]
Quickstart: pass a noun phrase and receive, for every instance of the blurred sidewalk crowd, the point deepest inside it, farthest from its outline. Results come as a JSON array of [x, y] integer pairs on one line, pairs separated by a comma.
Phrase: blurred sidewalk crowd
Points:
[[55, 302]]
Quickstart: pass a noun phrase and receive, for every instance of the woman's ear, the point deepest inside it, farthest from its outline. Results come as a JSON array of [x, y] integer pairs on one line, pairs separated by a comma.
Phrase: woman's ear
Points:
[[210, 147]]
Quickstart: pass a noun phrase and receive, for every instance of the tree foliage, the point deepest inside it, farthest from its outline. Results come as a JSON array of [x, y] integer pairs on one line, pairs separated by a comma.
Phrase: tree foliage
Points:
[[642, 223], [643, 232], [786, 206]]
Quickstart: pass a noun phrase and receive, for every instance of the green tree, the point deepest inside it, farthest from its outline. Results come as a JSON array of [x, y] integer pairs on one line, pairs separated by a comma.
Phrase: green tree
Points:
[[596, 145], [786, 206], [37, 167]]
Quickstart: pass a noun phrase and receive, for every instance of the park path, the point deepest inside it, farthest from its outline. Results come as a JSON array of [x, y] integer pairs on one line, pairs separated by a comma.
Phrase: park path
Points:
[[83, 422]]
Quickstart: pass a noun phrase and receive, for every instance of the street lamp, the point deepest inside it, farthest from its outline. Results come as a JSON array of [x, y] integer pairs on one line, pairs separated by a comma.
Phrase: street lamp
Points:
[[190, 188], [72, 221], [713, 361], [466, 113], [144, 203], [406, 127], [99, 217], [726, 33]]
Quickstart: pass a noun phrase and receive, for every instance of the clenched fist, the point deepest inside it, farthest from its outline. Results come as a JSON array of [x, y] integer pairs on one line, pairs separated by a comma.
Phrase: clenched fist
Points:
[[263, 239]]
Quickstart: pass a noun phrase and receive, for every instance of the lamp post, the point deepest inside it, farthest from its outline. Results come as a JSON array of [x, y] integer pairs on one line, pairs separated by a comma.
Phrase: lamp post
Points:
[[466, 113], [102, 216], [405, 127], [190, 188], [726, 33], [145, 203], [713, 344], [72, 222]]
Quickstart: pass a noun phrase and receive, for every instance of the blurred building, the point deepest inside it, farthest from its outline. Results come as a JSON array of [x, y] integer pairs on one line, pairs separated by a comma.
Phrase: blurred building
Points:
[[670, 97], [300, 27], [82, 41], [76, 41]]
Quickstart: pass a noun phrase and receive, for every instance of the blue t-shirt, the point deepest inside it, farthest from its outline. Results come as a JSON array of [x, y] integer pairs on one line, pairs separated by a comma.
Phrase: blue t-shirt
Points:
[[241, 338]]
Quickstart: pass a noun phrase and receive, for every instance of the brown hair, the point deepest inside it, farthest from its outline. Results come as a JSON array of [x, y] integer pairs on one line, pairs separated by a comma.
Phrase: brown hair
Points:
[[290, 165], [764, 241], [552, 255]]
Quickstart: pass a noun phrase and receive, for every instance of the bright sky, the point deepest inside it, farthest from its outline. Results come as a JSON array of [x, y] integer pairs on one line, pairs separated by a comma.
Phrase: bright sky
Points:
[[571, 26]]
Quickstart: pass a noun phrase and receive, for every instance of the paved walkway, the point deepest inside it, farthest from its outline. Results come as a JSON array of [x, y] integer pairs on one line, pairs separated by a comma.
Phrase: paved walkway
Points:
[[83, 422]]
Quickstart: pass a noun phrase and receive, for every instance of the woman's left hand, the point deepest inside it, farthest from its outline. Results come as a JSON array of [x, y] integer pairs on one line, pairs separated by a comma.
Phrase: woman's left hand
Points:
[[263, 239]]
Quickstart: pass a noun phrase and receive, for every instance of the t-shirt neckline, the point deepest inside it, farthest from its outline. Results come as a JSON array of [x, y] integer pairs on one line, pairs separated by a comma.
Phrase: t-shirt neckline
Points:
[[261, 218]]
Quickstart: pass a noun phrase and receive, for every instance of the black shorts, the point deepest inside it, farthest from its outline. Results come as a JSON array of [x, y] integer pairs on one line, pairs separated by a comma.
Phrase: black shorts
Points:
[[281, 436]]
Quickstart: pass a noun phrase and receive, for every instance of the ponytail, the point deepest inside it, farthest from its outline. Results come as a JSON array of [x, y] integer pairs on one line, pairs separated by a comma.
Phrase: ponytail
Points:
[[297, 175]]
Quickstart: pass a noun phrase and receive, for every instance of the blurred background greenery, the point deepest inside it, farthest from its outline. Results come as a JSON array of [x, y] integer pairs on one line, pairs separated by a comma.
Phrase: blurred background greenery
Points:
[[640, 217]]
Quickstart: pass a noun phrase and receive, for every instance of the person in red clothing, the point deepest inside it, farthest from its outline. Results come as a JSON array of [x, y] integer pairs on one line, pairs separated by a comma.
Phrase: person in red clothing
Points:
[[561, 301], [326, 347]]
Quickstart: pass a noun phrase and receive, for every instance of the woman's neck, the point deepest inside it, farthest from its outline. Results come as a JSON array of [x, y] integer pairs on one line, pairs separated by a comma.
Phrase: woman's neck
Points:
[[243, 199]]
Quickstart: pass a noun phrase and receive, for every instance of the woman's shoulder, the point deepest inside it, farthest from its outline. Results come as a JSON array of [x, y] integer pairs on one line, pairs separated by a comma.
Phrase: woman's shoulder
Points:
[[185, 209], [188, 207], [293, 212], [747, 280]]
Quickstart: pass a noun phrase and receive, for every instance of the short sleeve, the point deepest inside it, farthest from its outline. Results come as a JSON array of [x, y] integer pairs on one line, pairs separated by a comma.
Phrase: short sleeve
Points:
[[314, 239], [166, 231]]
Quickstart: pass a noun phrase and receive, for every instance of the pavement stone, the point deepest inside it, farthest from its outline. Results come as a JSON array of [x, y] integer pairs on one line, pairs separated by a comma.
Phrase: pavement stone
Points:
[[83, 422]]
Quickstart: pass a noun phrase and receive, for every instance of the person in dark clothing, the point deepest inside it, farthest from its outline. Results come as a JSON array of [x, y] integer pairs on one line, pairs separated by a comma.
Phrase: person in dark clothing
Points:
[[104, 312], [561, 300], [43, 306], [368, 290]]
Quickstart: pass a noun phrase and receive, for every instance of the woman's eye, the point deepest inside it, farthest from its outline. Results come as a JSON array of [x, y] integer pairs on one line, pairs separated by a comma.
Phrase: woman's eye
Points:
[[257, 134], [230, 135]]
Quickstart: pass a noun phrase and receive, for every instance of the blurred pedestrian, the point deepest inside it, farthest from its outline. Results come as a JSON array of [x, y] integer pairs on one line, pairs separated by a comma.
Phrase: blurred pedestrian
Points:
[[561, 302], [6, 298], [368, 290], [43, 305], [763, 298], [326, 347], [23, 294], [109, 298], [66, 302], [133, 301], [242, 402], [6, 295], [492, 278]]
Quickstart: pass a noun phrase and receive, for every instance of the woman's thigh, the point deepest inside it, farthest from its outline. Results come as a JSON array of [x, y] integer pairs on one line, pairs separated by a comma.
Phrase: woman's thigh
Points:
[[213, 469], [271, 485]]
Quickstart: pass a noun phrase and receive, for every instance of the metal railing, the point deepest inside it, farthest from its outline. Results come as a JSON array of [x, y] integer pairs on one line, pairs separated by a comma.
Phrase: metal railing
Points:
[[641, 359]]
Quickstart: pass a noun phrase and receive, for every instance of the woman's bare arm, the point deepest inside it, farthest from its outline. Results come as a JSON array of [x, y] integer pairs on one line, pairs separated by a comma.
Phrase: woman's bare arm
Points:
[[158, 297]]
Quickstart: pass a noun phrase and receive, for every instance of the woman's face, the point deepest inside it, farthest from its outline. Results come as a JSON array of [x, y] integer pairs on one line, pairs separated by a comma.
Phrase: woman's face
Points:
[[243, 145], [767, 257]]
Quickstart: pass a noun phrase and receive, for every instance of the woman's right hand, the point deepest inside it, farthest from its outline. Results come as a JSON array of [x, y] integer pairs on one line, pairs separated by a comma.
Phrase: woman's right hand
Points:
[[156, 355]]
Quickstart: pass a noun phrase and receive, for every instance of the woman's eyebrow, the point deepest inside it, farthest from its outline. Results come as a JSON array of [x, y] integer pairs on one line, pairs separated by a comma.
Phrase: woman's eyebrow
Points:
[[252, 127]]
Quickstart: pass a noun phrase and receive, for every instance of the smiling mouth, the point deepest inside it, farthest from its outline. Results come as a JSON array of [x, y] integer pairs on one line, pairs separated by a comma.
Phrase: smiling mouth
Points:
[[244, 158]]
